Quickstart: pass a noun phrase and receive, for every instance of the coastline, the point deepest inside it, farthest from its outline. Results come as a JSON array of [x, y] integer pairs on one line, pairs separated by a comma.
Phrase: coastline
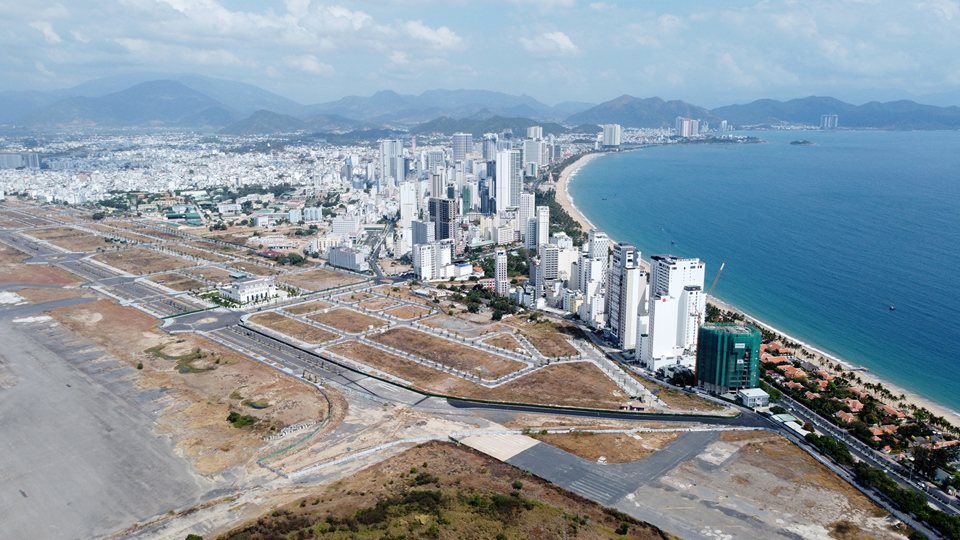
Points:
[[820, 356]]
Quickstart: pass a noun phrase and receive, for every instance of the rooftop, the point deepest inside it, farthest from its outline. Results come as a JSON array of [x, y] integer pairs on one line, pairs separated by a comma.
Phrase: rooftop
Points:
[[731, 328]]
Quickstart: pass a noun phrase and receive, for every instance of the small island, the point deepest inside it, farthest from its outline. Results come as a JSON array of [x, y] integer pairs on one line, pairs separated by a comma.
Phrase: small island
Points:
[[803, 143]]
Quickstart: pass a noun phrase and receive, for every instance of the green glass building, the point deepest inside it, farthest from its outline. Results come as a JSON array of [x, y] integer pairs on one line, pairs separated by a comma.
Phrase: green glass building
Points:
[[728, 357]]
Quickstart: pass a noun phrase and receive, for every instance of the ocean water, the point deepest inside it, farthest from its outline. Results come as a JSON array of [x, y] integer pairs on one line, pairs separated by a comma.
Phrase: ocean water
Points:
[[820, 241]]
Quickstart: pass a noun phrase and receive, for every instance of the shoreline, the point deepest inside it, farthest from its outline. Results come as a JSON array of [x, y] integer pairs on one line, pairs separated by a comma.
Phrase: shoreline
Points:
[[820, 356]]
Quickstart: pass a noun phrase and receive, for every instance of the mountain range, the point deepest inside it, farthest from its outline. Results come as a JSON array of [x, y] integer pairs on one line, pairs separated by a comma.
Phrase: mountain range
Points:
[[189, 101]]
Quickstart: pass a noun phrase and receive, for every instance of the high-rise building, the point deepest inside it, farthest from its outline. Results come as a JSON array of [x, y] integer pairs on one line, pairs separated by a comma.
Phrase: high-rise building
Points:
[[536, 151], [509, 179], [500, 271], [676, 307], [535, 132], [443, 212], [408, 203], [437, 184], [543, 226], [462, 145], [424, 232], [525, 212], [549, 263], [728, 357], [489, 146], [686, 127], [430, 259], [829, 121], [625, 286], [611, 136], [390, 172]]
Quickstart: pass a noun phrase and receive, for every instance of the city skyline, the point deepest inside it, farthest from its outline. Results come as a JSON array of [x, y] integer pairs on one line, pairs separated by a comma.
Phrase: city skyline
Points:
[[556, 51]]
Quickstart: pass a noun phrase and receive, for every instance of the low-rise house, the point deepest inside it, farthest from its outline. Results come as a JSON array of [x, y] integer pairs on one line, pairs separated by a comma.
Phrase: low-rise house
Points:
[[891, 412], [846, 417], [853, 404], [635, 406], [793, 372], [821, 374], [248, 290], [811, 395], [858, 392]]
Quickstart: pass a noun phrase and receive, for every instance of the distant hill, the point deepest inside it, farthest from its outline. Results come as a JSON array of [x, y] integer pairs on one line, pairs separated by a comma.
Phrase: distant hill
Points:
[[265, 123], [892, 115], [479, 126], [387, 106], [155, 103], [629, 111]]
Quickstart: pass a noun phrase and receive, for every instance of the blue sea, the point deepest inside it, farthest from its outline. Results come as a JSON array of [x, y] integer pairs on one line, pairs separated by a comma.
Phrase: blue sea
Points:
[[820, 241]]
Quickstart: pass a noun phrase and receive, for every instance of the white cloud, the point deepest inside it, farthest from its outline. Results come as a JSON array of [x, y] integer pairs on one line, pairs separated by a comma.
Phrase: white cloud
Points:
[[399, 57], [40, 67], [80, 36], [47, 30], [441, 38], [308, 63], [356, 18], [551, 44], [945, 8]]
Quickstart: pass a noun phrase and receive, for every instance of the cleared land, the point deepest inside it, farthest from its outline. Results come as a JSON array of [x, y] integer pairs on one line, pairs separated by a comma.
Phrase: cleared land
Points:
[[506, 341], [407, 312], [56, 233], [211, 273], [319, 279], [377, 304], [42, 295], [255, 269], [164, 235], [421, 376], [210, 246], [350, 298], [439, 490], [610, 447], [574, 384], [200, 254], [13, 271], [548, 337], [293, 328], [177, 282], [447, 352], [309, 307], [347, 320], [403, 294], [675, 399], [143, 261], [85, 244]]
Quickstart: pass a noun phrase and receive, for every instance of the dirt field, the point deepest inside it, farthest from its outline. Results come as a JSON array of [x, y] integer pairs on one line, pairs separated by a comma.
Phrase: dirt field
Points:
[[766, 477], [407, 312], [177, 282], [13, 271], [212, 273], [319, 280], [309, 307], [42, 295], [200, 253], [293, 328], [403, 294], [143, 261], [110, 231], [447, 352], [255, 269], [575, 384], [423, 377], [678, 400], [347, 320], [507, 342], [439, 490], [56, 233], [85, 244], [210, 246], [161, 234], [610, 447], [548, 337], [377, 304], [204, 380], [354, 297]]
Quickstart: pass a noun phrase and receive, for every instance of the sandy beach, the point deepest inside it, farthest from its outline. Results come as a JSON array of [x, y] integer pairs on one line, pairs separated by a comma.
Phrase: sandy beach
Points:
[[820, 357]]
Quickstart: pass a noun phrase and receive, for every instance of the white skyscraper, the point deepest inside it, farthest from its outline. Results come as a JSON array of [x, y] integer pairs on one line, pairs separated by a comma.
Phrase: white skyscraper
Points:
[[676, 306], [526, 211], [509, 179], [502, 283], [535, 132], [625, 285], [543, 226], [535, 152], [390, 151], [408, 203], [611, 136]]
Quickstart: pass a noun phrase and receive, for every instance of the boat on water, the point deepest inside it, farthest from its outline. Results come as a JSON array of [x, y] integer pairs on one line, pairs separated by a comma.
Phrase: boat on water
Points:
[[893, 308]]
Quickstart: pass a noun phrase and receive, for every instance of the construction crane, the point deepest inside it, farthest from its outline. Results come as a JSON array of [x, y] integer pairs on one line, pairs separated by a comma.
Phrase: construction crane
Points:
[[697, 313]]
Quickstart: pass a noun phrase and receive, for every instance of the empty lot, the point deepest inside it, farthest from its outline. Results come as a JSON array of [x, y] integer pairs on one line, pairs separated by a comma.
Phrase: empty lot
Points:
[[347, 320], [143, 261], [443, 351], [293, 328], [319, 279]]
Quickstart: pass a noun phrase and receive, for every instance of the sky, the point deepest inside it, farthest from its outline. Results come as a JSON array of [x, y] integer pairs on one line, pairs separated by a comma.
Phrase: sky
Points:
[[707, 52]]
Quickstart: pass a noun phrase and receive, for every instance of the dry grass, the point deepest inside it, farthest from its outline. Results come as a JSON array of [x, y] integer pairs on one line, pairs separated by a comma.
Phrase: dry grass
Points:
[[212, 273], [377, 304], [43, 295], [677, 400], [85, 244], [255, 269], [12, 270], [354, 297], [177, 282], [309, 307], [293, 328], [548, 337], [56, 233], [459, 475], [200, 253], [143, 261], [403, 294], [347, 320], [461, 357], [319, 279], [421, 376], [407, 312], [574, 384], [507, 342], [612, 447]]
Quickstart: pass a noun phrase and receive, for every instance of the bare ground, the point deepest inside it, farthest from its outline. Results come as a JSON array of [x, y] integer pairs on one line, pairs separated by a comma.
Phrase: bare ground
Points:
[[309, 307], [293, 328], [407, 312], [177, 282], [13, 271], [347, 320], [506, 341], [319, 279], [143, 261], [609, 447], [461, 357]]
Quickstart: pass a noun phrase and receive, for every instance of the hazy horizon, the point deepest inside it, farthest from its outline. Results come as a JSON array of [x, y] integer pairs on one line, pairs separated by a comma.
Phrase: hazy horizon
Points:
[[706, 53]]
